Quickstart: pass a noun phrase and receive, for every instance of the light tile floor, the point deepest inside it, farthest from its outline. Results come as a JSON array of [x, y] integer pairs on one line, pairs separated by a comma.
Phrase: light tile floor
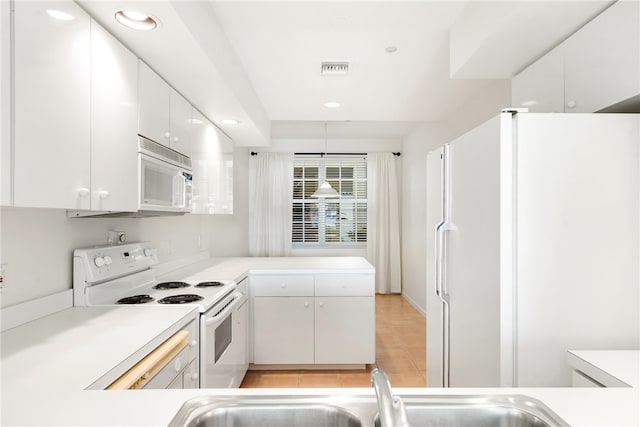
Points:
[[400, 352]]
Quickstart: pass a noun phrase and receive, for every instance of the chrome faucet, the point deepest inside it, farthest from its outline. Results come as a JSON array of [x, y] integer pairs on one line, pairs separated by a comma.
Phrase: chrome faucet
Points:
[[391, 408]]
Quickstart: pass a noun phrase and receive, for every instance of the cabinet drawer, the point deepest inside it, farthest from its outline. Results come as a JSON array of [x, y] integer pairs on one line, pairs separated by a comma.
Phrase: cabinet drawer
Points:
[[282, 285], [344, 285]]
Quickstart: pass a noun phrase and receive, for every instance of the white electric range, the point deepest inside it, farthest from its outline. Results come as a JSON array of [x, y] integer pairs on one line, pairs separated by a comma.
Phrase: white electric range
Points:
[[124, 275]]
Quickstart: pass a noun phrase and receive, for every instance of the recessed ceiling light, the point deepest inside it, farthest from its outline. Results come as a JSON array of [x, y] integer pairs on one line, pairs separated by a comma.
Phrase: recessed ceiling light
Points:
[[136, 20], [229, 121], [59, 15], [391, 49], [332, 104]]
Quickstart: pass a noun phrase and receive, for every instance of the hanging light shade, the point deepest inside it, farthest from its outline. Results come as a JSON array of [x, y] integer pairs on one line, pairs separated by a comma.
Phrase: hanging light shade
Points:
[[325, 190]]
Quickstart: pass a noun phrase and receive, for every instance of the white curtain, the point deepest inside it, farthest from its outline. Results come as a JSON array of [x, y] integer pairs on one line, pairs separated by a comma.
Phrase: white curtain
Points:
[[383, 224], [273, 192]]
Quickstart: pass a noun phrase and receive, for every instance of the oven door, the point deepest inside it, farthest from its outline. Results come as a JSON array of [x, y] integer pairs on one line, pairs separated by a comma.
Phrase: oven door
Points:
[[219, 347], [163, 186]]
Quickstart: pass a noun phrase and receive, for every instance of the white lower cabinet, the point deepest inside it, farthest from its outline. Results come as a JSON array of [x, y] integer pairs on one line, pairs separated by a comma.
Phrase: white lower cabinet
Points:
[[283, 330], [344, 330], [313, 319]]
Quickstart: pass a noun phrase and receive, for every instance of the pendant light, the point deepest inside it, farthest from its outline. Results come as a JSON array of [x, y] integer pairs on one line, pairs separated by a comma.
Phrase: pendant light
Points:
[[325, 190]]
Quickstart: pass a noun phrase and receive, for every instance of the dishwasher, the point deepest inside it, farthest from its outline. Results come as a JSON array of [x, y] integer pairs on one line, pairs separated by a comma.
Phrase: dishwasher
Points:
[[170, 365]]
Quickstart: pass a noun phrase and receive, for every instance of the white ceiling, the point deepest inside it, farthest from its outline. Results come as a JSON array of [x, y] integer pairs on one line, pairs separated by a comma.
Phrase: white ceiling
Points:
[[260, 61]]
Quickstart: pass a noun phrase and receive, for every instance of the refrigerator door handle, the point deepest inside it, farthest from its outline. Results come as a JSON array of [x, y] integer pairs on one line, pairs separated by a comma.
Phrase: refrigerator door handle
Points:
[[441, 228], [439, 247]]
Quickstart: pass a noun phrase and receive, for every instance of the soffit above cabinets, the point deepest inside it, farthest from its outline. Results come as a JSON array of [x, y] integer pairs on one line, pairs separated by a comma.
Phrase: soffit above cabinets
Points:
[[414, 61]]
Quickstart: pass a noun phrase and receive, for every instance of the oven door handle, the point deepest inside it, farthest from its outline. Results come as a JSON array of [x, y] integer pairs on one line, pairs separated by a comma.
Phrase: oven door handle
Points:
[[219, 317]]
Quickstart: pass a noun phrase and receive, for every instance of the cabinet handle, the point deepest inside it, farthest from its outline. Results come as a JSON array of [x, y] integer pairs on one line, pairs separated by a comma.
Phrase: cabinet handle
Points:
[[167, 135], [306, 304], [283, 286], [321, 304], [176, 139], [103, 194], [194, 376], [571, 104], [83, 192], [193, 343]]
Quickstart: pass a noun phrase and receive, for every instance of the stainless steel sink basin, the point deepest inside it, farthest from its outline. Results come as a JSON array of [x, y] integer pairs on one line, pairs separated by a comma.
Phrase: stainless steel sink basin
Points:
[[469, 411], [255, 414], [361, 411]]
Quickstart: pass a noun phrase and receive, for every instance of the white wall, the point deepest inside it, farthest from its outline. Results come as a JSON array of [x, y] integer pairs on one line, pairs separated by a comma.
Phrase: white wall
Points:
[[424, 138], [37, 244]]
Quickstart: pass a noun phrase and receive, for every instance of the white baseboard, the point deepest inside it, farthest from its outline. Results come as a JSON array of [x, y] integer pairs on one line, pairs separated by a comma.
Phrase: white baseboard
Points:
[[415, 305], [20, 314]]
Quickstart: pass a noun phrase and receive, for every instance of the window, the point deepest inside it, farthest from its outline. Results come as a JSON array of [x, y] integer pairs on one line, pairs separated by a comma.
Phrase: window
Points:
[[329, 222]]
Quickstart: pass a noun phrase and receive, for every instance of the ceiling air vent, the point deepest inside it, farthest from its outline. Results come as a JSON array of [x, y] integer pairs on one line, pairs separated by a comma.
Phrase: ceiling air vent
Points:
[[334, 68]]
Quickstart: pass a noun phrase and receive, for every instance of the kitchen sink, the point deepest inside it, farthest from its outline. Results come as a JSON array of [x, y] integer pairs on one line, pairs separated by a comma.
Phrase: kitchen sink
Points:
[[469, 411], [362, 411], [263, 414]]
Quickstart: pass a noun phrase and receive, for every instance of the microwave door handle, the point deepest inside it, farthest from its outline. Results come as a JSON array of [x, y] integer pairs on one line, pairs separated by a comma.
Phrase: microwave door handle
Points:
[[219, 317], [180, 181]]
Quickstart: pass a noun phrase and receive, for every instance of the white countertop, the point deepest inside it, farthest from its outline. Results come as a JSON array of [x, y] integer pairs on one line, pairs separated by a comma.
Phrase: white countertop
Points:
[[612, 368], [238, 268], [47, 364]]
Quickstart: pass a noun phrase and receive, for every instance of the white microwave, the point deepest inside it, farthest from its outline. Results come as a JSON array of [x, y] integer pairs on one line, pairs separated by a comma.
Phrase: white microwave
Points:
[[165, 180]]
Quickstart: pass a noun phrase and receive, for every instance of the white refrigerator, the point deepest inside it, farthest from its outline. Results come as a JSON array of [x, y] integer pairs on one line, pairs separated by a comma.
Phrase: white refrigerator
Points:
[[532, 247]]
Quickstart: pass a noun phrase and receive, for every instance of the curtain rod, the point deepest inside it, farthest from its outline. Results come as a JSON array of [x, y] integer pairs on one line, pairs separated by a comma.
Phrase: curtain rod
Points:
[[395, 153]]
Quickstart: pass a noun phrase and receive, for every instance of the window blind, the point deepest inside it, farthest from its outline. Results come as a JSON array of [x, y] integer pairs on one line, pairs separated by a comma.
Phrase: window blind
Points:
[[339, 221]]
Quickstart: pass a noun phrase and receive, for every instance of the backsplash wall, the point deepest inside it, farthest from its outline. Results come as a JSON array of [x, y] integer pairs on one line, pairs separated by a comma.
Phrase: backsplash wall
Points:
[[37, 244]]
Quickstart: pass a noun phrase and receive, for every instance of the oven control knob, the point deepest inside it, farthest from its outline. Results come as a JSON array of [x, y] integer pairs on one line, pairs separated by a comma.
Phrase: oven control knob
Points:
[[148, 252], [98, 261], [107, 260]]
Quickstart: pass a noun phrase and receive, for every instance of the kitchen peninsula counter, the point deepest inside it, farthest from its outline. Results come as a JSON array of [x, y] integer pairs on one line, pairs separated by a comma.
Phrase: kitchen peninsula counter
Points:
[[47, 365]]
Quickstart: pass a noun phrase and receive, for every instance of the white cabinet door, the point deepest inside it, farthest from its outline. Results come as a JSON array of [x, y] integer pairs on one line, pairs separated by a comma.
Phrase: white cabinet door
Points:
[[540, 87], [52, 87], [283, 330], [345, 330], [602, 60], [212, 159], [180, 126], [6, 115], [153, 106], [114, 162]]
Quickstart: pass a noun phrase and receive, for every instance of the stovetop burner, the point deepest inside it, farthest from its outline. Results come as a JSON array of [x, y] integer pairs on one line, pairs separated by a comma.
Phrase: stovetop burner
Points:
[[135, 299], [180, 299], [208, 284], [171, 285]]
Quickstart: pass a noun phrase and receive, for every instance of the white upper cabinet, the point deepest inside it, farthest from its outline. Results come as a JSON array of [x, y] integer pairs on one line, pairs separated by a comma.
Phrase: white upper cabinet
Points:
[[6, 115], [114, 114], [153, 106], [180, 126], [540, 87], [602, 60], [52, 105], [595, 68], [212, 160], [164, 115]]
